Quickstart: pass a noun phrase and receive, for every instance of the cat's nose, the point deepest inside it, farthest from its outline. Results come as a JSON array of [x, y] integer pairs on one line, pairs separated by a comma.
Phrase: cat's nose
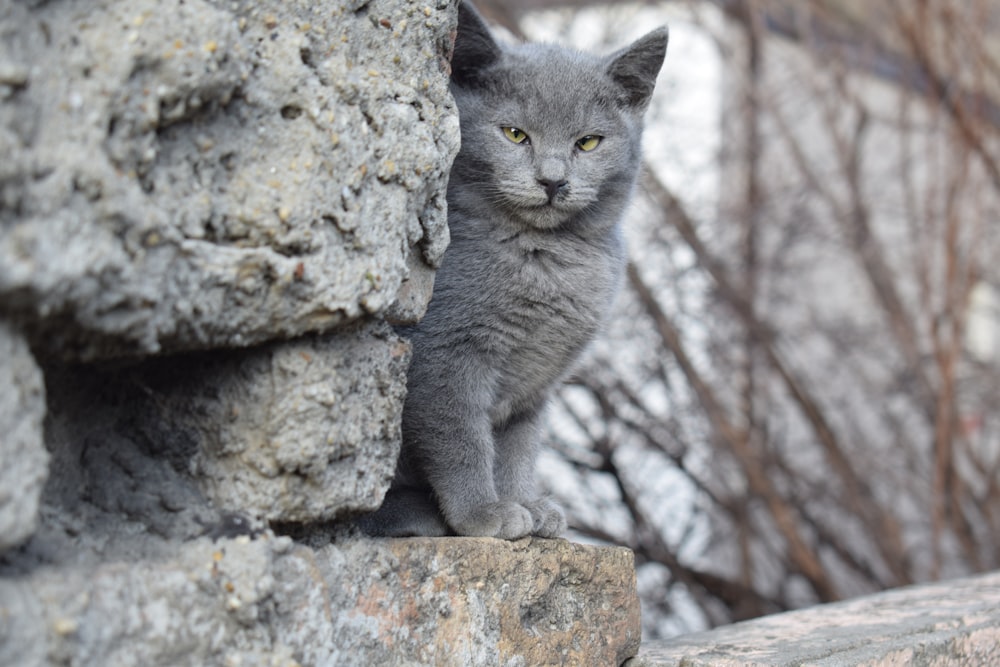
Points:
[[552, 187]]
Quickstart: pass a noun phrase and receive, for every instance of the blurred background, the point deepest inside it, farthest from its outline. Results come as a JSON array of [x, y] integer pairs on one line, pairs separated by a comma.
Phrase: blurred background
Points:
[[796, 399]]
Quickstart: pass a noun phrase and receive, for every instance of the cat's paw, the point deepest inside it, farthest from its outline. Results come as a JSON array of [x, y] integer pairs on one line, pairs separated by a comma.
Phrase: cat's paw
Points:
[[504, 519], [548, 519]]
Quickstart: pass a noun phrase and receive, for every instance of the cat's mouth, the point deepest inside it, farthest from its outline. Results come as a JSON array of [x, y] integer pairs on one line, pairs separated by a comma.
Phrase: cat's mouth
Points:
[[541, 212], [547, 215], [559, 202]]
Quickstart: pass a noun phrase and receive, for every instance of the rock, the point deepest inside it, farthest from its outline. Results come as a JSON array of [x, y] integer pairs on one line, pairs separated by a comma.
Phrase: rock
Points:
[[202, 174], [300, 431], [22, 448], [953, 622], [478, 601], [296, 431], [454, 601], [207, 605]]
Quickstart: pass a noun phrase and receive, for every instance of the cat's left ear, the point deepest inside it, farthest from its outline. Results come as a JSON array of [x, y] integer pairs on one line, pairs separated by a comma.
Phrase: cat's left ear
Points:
[[635, 67]]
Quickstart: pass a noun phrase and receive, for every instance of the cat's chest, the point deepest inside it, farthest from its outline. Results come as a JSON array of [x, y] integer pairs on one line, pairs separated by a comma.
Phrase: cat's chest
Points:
[[556, 285], [525, 307], [530, 296], [549, 302], [550, 310]]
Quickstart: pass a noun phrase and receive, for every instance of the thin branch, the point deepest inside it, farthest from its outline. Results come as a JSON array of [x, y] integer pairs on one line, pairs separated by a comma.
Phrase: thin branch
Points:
[[800, 553]]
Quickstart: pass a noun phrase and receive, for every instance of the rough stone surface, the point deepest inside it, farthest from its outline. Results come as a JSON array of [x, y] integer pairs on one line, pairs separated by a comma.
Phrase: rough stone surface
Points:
[[22, 449], [359, 602], [301, 431], [192, 174], [950, 623], [464, 601]]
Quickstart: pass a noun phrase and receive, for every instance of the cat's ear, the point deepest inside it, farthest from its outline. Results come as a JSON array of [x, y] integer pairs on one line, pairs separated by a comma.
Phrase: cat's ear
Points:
[[635, 67], [475, 48]]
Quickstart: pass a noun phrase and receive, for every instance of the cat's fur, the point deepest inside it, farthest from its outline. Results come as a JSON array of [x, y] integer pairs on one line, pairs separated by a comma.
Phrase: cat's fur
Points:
[[535, 259]]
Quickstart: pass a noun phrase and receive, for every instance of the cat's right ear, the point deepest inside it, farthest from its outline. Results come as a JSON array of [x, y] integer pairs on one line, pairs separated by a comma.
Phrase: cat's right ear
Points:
[[475, 48], [635, 67]]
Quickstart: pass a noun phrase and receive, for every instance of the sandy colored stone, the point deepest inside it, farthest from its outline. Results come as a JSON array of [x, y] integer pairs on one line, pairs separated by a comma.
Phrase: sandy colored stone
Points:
[[948, 623], [481, 601]]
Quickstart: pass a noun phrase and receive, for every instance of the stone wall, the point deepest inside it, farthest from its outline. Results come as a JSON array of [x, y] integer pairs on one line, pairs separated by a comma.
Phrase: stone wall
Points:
[[211, 212]]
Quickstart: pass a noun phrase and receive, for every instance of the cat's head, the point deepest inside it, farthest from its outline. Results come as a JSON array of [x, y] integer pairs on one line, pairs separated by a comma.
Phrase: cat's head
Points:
[[549, 133]]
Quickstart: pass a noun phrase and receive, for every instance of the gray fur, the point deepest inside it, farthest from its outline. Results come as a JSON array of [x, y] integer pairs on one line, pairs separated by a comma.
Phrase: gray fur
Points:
[[535, 260]]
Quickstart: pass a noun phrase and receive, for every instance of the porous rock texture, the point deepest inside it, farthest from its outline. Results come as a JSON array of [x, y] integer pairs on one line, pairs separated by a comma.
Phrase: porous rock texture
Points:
[[211, 212], [303, 430], [262, 177], [218, 173]]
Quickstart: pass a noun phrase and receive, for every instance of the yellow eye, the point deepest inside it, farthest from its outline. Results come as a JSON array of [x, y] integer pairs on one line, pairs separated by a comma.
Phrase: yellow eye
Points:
[[588, 143], [515, 135]]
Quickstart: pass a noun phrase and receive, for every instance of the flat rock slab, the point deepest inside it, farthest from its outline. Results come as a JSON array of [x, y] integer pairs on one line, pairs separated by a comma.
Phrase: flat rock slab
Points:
[[269, 601], [482, 601], [954, 622]]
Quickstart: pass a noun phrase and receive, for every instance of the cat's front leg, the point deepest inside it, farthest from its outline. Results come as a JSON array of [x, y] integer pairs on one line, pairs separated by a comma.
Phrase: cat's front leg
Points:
[[517, 442], [448, 425], [465, 489]]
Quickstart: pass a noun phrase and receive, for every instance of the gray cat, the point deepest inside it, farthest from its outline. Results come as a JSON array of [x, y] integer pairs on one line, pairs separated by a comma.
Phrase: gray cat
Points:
[[549, 157]]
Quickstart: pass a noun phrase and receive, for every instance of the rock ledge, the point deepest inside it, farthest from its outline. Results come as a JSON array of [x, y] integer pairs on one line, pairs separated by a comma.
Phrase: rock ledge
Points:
[[268, 601]]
